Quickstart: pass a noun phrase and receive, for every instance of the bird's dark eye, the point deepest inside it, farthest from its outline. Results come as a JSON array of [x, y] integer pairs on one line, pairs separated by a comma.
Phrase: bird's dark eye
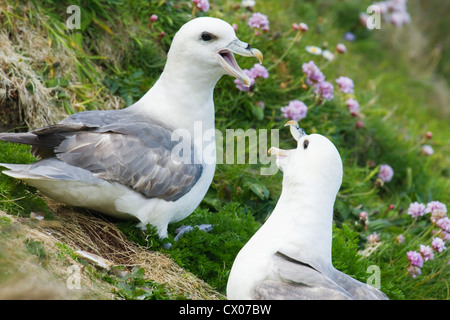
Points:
[[207, 36], [305, 144]]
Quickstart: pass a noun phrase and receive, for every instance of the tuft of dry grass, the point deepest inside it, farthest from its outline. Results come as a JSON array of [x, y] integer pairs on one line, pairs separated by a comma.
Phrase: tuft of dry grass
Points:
[[26, 274], [36, 54], [24, 99], [80, 230], [32, 49]]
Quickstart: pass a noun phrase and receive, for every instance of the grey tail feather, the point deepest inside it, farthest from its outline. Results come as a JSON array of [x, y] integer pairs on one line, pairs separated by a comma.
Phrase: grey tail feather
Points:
[[49, 169], [18, 171], [41, 146], [23, 138], [15, 167], [21, 175]]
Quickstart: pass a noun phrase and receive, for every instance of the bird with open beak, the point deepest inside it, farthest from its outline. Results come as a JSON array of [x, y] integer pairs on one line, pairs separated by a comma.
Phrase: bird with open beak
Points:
[[121, 162], [296, 132], [289, 257]]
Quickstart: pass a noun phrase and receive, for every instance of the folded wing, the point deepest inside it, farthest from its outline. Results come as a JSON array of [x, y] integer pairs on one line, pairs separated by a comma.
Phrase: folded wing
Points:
[[298, 281], [117, 146]]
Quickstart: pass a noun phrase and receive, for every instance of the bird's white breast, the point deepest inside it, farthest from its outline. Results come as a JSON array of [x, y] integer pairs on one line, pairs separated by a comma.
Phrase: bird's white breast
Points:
[[253, 263]]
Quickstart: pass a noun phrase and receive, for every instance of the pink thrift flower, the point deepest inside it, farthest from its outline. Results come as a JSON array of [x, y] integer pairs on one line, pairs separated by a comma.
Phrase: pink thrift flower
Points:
[[415, 258], [399, 18], [359, 124], [295, 110], [434, 206], [386, 173], [313, 73], [416, 209], [400, 238], [241, 86], [324, 89], [427, 149], [345, 84], [353, 106], [303, 26], [259, 70], [153, 18], [429, 135], [445, 236], [394, 12], [373, 238], [427, 252], [438, 245], [414, 271], [383, 7], [259, 20], [203, 5], [444, 224], [363, 215], [341, 48], [437, 209], [363, 18], [436, 215], [260, 104]]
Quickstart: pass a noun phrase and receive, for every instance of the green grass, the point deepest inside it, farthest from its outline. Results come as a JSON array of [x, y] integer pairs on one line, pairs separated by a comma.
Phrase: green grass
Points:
[[135, 286], [209, 255], [399, 104], [16, 197]]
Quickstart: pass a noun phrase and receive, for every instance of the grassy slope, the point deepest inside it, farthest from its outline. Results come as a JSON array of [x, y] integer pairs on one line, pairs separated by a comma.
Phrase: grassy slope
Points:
[[398, 100]]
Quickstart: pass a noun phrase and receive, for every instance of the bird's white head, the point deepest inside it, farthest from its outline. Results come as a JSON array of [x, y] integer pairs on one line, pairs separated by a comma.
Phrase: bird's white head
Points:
[[314, 164], [208, 44]]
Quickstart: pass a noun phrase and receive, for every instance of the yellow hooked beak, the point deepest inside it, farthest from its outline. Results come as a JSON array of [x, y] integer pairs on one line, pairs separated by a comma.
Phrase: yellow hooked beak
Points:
[[277, 152], [229, 64], [295, 129], [292, 123]]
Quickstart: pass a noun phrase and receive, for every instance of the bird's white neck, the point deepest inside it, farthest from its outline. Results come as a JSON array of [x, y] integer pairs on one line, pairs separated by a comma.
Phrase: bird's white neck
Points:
[[308, 235], [183, 99]]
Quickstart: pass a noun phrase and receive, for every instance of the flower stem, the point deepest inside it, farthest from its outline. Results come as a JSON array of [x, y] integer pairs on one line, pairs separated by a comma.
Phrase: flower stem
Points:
[[296, 39], [357, 194]]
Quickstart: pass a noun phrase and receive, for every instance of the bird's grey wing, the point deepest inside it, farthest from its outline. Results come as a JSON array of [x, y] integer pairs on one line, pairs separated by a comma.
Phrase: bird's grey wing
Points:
[[44, 140], [357, 289], [117, 146], [136, 154], [298, 281]]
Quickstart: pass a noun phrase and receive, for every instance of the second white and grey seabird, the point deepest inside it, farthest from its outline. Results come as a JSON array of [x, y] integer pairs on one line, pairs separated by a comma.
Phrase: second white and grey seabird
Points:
[[289, 257]]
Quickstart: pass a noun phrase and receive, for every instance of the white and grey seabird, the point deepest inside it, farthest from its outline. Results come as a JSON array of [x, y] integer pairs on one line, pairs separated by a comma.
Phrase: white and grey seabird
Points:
[[119, 162], [289, 257]]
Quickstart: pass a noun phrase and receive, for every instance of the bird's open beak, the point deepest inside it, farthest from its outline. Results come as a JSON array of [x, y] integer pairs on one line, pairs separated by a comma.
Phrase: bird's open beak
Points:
[[229, 64], [277, 152], [295, 129], [292, 123]]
